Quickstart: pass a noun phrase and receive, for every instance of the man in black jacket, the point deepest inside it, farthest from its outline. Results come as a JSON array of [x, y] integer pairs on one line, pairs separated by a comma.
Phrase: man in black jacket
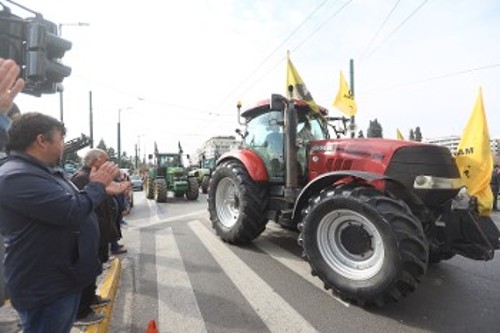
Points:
[[49, 226], [495, 184]]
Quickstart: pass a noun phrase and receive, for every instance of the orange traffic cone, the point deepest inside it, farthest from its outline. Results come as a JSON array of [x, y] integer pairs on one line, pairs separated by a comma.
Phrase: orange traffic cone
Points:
[[152, 327]]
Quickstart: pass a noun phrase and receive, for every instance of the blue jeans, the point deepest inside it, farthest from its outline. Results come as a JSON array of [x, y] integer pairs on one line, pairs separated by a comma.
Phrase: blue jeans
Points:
[[56, 317]]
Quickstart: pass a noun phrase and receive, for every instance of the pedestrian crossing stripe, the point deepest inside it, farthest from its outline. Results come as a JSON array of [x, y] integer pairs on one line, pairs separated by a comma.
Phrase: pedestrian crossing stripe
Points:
[[273, 310], [177, 305]]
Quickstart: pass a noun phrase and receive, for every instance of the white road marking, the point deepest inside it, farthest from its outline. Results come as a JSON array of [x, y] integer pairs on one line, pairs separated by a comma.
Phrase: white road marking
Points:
[[178, 309], [155, 220], [274, 311], [297, 265]]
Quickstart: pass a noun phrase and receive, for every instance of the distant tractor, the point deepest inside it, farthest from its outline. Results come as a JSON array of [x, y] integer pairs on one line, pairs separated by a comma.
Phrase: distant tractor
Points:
[[204, 172], [371, 213], [169, 174]]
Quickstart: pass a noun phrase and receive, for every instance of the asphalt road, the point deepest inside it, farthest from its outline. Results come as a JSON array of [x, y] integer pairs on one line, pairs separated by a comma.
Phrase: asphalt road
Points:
[[180, 274]]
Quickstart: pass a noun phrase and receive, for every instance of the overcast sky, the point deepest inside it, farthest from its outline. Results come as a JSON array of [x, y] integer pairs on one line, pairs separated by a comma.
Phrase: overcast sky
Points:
[[178, 68]]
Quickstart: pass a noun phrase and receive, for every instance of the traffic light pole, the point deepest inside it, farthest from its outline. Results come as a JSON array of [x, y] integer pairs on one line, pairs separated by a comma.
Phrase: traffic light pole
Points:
[[61, 108]]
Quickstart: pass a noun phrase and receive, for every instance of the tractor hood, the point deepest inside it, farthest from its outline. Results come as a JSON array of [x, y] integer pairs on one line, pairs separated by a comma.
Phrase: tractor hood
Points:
[[397, 159]]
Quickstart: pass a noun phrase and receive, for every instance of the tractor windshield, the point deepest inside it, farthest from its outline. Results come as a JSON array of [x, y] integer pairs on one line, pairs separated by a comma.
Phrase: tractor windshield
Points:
[[208, 163], [170, 161], [310, 127]]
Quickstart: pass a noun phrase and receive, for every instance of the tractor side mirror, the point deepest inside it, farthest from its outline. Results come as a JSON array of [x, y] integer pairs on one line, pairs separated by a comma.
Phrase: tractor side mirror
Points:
[[278, 102], [243, 135], [150, 156]]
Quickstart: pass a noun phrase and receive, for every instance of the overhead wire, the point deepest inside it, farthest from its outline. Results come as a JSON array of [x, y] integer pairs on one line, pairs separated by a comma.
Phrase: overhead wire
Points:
[[433, 78], [276, 49], [307, 38], [397, 28], [379, 29]]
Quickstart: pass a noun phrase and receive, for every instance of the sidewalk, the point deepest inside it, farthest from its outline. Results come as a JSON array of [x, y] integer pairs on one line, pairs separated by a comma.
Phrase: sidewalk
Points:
[[107, 283]]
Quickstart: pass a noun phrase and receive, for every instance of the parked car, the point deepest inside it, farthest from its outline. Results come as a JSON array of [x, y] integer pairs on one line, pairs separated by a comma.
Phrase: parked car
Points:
[[137, 183]]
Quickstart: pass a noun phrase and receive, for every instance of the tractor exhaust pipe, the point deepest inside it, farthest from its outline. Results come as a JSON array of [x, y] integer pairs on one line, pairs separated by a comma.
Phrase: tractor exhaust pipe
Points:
[[290, 138]]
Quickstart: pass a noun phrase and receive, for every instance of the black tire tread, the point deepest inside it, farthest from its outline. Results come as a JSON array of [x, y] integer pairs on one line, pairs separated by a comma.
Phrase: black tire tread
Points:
[[161, 190], [193, 190], [407, 229], [253, 200]]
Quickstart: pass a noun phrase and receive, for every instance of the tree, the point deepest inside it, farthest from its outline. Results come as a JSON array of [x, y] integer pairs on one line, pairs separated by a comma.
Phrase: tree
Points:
[[360, 134], [72, 156], [412, 135], [374, 130], [102, 145], [418, 134], [110, 151]]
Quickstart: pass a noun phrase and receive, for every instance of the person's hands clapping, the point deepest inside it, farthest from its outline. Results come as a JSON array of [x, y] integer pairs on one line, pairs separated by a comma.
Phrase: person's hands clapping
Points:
[[116, 188], [10, 84], [105, 174]]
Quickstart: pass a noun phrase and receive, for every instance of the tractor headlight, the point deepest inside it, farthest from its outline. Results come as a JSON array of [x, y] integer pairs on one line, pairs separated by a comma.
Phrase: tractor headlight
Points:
[[432, 183]]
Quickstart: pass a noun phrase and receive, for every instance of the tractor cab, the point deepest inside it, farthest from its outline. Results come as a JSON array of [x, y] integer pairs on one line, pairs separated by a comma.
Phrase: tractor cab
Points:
[[265, 135], [170, 160]]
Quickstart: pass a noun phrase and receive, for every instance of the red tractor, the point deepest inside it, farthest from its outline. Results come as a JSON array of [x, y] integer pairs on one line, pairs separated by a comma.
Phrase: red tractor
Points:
[[371, 213]]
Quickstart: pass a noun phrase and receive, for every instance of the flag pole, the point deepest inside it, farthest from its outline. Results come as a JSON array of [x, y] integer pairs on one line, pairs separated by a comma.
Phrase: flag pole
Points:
[[351, 74]]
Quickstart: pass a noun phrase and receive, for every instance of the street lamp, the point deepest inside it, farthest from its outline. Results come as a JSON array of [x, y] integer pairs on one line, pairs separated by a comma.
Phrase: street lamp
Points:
[[60, 87], [119, 139]]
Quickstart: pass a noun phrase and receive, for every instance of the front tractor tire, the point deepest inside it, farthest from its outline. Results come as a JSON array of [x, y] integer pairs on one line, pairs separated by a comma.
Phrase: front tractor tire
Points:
[[161, 191], [204, 184], [150, 188], [236, 204], [367, 247], [193, 190]]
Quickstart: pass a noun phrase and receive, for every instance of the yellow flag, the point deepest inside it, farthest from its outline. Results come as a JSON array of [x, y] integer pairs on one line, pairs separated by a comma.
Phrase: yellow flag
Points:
[[475, 159], [345, 100], [399, 135], [300, 90]]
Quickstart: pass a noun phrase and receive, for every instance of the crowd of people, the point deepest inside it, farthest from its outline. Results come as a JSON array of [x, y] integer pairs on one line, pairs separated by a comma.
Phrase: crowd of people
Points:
[[57, 232]]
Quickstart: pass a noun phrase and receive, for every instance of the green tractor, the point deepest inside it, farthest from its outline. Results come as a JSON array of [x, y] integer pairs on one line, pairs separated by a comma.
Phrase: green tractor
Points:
[[169, 174], [204, 172]]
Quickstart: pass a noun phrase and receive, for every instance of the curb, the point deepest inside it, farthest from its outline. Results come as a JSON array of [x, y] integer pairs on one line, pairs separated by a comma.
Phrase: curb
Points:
[[107, 289]]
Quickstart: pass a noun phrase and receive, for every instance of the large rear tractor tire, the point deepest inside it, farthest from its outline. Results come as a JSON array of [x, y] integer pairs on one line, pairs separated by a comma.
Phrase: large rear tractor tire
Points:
[[193, 190], [236, 204], [204, 184], [367, 247], [150, 188], [161, 190]]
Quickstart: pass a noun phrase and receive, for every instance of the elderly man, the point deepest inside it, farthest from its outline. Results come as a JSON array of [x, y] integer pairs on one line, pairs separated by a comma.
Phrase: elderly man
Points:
[[49, 226], [106, 215]]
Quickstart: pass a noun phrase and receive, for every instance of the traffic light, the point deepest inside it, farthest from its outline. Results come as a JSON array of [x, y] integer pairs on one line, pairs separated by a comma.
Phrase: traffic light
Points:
[[37, 48], [44, 50]]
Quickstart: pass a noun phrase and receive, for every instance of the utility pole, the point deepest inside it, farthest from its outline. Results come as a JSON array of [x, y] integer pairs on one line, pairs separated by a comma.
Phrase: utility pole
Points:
[[136, 157], [91, 121], [119, 139]]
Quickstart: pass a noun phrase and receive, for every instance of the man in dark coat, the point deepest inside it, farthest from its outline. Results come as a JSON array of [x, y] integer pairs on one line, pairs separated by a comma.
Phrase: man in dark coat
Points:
[[49, 227], [495, 184], [95, 158]]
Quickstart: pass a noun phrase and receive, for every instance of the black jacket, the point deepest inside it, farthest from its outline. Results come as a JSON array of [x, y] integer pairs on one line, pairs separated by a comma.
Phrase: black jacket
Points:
[[106, 211], [50, 232]]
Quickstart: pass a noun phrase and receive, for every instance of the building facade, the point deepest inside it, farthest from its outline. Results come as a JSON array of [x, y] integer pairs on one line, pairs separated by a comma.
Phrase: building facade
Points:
[[216, 146], [451, 142]]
